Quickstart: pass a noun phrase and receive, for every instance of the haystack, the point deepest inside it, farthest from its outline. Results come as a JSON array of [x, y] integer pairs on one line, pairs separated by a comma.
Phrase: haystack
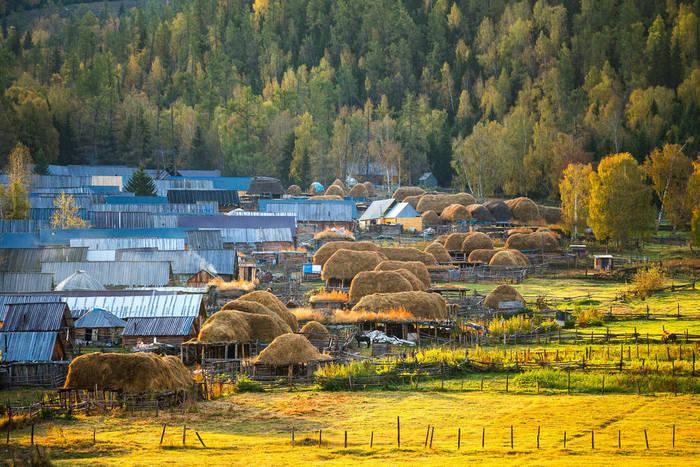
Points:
[[371, 282], [409, 254], [476, 241], [524, 209], [334, 234], [454, 241], [371, 191], [483, 256], [499, 210], [416, 267], [502, 293], [416, 284], [404, 191], [422, 305], [439, 202], [520, 230], [337, 182], [273, 303], [314, 328], [509, 258], [290, 349], [442, 238], [358, 191], [480, 213], [412, 200], [550, 214], [327, 197], [335, 190], [454, 213], [439, 252], [537, 241], [294, 190], [344, 264], [133, 373], [327, 250], [260, 328], [431, 218], [226, 326]]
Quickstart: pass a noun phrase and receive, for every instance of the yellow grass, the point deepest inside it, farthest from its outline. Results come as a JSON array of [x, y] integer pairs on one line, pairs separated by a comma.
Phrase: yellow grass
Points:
[[255, 429], [333, 295], [348, 316], [219, 283]]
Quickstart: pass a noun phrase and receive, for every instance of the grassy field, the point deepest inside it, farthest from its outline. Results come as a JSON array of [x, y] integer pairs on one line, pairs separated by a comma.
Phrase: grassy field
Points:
[[256, 429]]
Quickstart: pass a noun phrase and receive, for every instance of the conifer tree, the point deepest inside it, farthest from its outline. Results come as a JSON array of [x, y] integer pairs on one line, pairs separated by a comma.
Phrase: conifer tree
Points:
[[141, 184]]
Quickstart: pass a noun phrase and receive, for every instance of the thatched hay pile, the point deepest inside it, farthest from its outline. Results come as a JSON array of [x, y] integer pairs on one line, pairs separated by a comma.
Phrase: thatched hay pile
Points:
[[315, 328], [520, 230], [327, 197], [439, 252], [502, 293], [509, 258], [550, 214], [412, 200], [439, 202], [524, 209], [327, 250], [332, 235], [294, 190], [371, 191], [476, 241], [409, 254], [371, 282], [264, 323], [483, 256], [134, 373], [335, 190], [416, 267], [346, 264], [431, 218], [226, 326], [539, 241], [358, 191], [480, 213], [422, 305], [273, 303], [442, 238], [339, 183], [416, 284], [454, 213], [499, 210], [404, 191], [289, 349], [454, 241]]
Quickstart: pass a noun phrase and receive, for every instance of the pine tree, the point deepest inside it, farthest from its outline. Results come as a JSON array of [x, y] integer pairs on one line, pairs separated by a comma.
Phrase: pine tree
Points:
[[141, 184], [286, 161]]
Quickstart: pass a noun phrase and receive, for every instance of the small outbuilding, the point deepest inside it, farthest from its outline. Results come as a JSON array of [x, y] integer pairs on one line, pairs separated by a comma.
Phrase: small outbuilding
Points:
[[99, 326], [603, 262], [427, 180]]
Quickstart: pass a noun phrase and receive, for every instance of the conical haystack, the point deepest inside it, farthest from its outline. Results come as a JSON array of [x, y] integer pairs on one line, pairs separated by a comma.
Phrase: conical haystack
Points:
[[439, 252], [524, 210], [480, 213], [454, 241], [416, 267], [416, 284], [502, 293], [422, 305], [509, 258], [371, 191], [226, 326], [343, 265], [483, 256], [327, 197], [412, 200], [409, 254], [358, 191], [550, 214], [476, 241], [260, 309], [273, 303], [404, 191], [454, 213], [327, 250], [370, 282], [290, 349], [431, 218], [314, 328], [499, 210], [294, 190], [439, 202], [335, 190]]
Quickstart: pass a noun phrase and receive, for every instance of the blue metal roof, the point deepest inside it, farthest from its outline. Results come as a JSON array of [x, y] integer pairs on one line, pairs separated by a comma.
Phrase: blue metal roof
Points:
[[319, 210], [19, 240], [135, 200], [99, 318], [27, 346], [160, 326], [227, 183], [63, 237]]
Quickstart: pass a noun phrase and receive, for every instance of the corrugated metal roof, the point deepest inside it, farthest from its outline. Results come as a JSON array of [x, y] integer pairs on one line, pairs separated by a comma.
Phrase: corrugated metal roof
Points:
[[237, 222], [114, 273], [205, 240], [140, 306], [18, 282], [227, 183], [177, 183], [101, 255], [44, 316], [202, 207], [19, 240], [22, 225], [59, 254], [53, 181], [44, 214], [223, 197], [7, 299], [135, 200], [45, 201], [402, 210], [265, 186], [99, 170], [161, 221], [63, 237], [120, 219], [27, 346], [99, 318], [312, 210], [79, 280], [377, 209], [200, 173], [127, 243], [177, 326], [187, 261], [256, 235], [20, 260]]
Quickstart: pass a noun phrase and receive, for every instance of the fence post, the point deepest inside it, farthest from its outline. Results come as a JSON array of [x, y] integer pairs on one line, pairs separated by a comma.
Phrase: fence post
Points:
[[619, 440], [592, 440], [184, 432], [32, 441], [346, 439], [568, 385], [200, 439], [459, 437], [673, 441], [398, 431], [319, 438], [293, 441], [162, 435], [511, 436], [432, 432], [483, 436], [371, 439], [427, 434], [564, 439], [538, 436], [646, 439]]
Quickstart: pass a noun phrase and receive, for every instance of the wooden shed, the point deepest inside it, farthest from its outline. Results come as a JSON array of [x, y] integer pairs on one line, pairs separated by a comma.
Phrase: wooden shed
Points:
[[99, 326]]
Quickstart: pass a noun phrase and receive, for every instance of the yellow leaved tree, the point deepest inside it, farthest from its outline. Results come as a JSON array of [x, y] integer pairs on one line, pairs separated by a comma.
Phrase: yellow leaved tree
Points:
[[694, 197], [14, 197], [575, 192], [620, 208], [66, 215], [669, 170]]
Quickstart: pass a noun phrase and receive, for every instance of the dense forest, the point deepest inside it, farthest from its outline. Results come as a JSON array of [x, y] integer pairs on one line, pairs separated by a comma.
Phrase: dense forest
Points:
[[493, 96]]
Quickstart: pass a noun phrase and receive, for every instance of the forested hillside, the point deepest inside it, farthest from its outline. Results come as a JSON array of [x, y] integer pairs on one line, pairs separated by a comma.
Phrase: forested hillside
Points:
[[493, 94]]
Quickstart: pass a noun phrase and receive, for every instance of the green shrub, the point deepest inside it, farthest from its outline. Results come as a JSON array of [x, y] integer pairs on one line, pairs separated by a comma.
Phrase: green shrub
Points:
[[590, 316], [648, 280], [245, 384]]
